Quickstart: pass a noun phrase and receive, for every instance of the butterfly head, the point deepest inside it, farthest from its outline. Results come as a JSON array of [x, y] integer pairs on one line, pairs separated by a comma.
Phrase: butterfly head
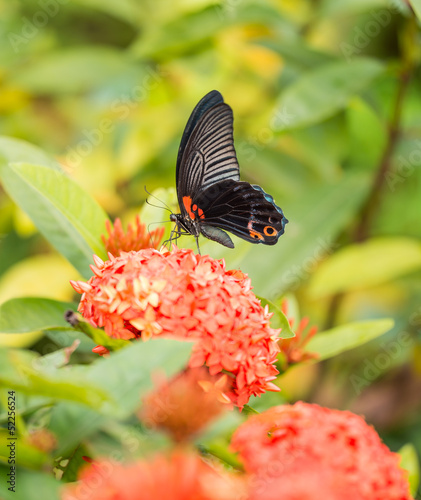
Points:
[[185, 225]]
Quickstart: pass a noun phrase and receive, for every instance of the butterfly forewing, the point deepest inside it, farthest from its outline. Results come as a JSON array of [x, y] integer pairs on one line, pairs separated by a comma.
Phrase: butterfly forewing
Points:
[[209, 155], [211, 99]]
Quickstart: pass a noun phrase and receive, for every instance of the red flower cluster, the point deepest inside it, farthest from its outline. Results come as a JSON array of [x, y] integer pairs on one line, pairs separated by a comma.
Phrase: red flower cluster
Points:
[[136, 238], [186, 296], [308, 452], [179, 477]]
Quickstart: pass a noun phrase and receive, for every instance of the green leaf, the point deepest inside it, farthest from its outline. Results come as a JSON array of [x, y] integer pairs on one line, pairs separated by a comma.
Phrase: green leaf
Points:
[[367, 133], [165, 41], [367, 264], [278, 320], [17, 151], [299, 54], [343, 338], [347, 7], [32, 314], [126, 375], [101, 338], [321, 93], [248, 410], [30, 485], [25, 372], [126, 10], [409, 462], [416, 5], [75, 70], [65, 214]]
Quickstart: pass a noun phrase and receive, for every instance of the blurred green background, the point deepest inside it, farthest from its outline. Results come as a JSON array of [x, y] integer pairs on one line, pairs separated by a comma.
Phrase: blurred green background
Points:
[[327, 119]]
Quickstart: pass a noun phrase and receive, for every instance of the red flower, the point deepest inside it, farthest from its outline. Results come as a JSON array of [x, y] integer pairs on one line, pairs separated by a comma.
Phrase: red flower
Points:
[[136, 238], [186, 296], [179, 477], [304, 451], [187, 403], [292, 350]]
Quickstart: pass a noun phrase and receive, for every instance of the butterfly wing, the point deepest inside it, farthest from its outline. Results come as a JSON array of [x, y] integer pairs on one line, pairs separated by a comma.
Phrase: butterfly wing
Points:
[[206, 155], [241, 208]]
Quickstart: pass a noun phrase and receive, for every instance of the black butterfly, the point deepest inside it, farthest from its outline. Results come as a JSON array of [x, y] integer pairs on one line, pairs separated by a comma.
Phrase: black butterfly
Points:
[[210, 193]]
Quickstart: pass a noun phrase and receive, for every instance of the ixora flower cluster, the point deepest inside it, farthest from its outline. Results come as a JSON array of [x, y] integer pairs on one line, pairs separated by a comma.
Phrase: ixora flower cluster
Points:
[[182, 295], [305, 451], [180, 476], [289, 452]]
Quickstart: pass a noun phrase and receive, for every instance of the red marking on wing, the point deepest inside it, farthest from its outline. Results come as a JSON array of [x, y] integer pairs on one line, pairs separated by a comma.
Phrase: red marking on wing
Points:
[[187, 205], [201, 214]]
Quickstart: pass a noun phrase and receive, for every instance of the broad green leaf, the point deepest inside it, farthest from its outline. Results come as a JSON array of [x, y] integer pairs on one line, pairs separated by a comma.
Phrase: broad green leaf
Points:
[[345, 337], [101, 338], [32, 314], [127, 10], [346, 7], [126, 375], [75, 70], [165, 41], [30, 485], [367, 133], [298, 54], [321, 93], [23, 371], [416, 5], [17, 151], [410, 462], [367, 264], [65, 214], [278, 320]]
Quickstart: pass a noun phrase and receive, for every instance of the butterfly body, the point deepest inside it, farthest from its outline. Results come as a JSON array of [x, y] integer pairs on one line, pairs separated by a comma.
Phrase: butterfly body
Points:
[[211, 196]]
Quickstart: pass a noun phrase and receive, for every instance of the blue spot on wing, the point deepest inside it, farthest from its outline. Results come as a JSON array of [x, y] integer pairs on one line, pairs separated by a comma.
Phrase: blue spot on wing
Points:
[[270, 199]]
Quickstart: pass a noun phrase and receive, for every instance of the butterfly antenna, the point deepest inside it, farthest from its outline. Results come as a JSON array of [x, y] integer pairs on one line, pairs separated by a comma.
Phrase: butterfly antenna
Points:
[[166, 207]]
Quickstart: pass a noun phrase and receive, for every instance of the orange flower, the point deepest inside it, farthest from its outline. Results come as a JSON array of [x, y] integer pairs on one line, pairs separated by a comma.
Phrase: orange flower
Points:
[[308, 452], [292, 350], [186, 296], [134, 239], [182, 476], [187, 403]]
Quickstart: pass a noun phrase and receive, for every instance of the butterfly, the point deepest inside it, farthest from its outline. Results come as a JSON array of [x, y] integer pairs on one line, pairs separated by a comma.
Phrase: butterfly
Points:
[[211, 197]]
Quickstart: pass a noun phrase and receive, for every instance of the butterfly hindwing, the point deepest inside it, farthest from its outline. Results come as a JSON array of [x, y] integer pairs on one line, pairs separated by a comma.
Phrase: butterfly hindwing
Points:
[[241, 208]]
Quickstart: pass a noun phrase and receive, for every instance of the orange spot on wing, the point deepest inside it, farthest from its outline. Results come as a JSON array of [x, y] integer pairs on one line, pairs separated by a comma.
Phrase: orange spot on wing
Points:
[[187, 205], [255, 234], [270, 231], [201, 214]]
